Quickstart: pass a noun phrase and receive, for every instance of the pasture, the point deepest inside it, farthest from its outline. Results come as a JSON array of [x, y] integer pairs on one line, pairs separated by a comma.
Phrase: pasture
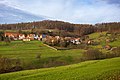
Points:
[[108, 69], [35, 55], [28, 51]]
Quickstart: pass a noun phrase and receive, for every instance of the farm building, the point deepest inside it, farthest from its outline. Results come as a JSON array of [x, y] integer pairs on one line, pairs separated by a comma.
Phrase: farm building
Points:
[[18, 36], [13, 35]]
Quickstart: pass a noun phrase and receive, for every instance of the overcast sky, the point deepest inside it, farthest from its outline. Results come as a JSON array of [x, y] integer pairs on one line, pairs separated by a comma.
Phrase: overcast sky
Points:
[[76, 11]]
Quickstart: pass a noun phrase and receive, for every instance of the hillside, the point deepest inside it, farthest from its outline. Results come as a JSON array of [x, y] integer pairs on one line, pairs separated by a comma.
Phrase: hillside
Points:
[[36, 55], [27, 53], [108, 69]]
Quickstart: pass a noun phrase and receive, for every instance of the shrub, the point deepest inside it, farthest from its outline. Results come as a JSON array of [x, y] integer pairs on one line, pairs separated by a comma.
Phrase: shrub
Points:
[[9, 65], [81, 46], [7, 40], [93, 54], [5, 64], [57, 61], [110, 55], [116, 51], [15, 68], [1, 35]]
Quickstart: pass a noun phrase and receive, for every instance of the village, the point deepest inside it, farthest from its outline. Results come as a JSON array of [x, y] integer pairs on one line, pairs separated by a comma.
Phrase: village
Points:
[[59, 39], [51, 40], [60, 42]]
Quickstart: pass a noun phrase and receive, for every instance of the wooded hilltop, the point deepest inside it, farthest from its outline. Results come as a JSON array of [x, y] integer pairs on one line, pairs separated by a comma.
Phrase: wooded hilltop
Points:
[[62, 28]]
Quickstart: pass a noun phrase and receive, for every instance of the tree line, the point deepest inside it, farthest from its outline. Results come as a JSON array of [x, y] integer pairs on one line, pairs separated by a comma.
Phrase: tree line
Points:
[[110, 27], [67, 29]]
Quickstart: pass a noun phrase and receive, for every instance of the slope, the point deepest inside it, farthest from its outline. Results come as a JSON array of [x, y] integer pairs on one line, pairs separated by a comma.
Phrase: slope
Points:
[[108, 69]]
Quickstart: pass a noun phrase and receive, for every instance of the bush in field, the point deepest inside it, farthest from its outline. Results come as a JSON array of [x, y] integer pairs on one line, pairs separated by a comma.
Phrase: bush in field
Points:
[[63, 44], [9, 65], [57, 61], [7, 40], [1, 36], [5, 64], [93, 54], [117, 52], [81, 46], [110, 55]]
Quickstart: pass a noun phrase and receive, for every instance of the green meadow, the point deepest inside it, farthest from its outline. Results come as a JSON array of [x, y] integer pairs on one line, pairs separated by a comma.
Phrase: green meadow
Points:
[[38, 57], [28, 51], [108, 69]]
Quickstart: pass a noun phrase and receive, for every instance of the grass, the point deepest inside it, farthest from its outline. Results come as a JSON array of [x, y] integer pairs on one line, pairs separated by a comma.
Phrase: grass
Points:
[[96, 35], [108, 69], [116, 43], [28, 51], [31, 48]]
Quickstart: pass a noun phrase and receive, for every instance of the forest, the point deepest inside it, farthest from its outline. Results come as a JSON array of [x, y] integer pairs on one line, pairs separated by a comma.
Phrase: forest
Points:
[[62, 28]]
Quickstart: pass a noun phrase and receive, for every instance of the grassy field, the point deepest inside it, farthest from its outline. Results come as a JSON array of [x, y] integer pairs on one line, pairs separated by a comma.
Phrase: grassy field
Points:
[[28, 51], [96, 37], [108, 69]]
